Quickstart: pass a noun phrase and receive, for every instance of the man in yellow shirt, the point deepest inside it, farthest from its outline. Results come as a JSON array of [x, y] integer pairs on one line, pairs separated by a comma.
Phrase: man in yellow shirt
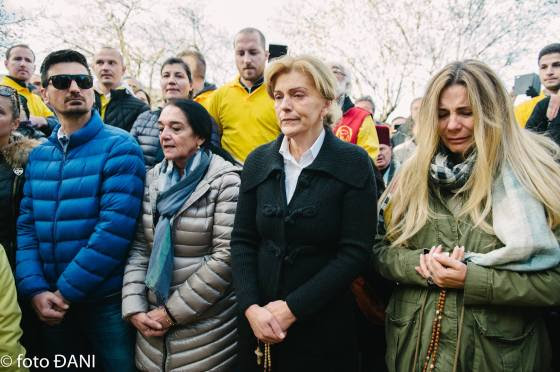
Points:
[[242, 108], [20, 63], [356, 125]]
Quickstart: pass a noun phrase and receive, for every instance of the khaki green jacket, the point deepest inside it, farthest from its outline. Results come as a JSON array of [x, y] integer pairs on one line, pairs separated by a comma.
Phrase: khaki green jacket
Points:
[[10, 317], [495, 324]]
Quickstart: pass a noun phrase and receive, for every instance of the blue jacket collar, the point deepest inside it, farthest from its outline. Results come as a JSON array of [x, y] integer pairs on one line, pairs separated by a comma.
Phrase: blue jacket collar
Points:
[[82, 135]]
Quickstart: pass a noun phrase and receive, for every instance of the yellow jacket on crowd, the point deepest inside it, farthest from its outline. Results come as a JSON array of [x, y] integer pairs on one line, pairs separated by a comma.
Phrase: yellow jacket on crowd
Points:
[[524, 110], [35, 104], [367, 138], [246, 120], [10, 317]]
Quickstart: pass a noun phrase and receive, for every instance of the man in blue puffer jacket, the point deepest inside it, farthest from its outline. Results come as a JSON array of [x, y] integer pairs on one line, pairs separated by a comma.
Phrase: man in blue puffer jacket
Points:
[[82, 197]]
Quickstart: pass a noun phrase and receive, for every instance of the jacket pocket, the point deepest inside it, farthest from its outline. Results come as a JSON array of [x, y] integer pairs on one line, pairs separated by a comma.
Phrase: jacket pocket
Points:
[[504, 341], [400, 321]]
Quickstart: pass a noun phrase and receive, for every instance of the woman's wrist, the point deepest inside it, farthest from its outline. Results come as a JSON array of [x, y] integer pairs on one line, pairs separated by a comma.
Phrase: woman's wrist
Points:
[[170, 319]]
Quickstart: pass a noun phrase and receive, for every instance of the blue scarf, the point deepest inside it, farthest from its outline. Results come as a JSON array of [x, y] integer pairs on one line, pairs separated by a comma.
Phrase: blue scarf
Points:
[[174, 192]]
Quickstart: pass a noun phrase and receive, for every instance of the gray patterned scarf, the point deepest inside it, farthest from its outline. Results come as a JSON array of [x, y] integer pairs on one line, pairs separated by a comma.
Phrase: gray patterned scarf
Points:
[[449, 175], [174, 190]]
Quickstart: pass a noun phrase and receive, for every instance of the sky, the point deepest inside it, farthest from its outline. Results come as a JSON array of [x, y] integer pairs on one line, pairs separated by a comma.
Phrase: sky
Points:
[[232, 15], [237, 14]]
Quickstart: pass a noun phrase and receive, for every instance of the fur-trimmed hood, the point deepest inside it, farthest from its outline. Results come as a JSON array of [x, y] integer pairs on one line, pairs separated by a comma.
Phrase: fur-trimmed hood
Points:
[[17, 151]]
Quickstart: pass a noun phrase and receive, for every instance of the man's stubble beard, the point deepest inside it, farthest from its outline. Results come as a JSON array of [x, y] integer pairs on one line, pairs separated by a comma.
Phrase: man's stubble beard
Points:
[[554, 89], [75, 113]]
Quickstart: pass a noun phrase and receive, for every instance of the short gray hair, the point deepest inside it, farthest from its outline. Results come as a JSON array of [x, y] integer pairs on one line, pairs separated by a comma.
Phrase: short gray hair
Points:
[[366, 99], [346, 72]]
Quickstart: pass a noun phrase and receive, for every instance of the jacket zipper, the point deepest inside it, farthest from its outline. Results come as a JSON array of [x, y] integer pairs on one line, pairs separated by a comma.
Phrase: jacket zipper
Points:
[[57, 203], [164, 352]]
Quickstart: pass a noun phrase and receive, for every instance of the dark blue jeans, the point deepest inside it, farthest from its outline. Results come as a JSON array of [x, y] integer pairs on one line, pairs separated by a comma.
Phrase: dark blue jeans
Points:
[[92, 329]]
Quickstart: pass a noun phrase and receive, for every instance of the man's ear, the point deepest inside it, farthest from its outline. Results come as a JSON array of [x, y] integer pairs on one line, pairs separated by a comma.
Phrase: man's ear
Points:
[[43, 92]]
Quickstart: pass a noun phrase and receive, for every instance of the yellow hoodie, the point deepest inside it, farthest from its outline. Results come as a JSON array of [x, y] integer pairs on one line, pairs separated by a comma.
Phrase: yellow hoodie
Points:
[[35, 104]]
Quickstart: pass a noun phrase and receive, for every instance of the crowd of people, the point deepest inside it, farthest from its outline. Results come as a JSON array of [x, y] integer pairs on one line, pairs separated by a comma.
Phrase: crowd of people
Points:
[[272, 224]]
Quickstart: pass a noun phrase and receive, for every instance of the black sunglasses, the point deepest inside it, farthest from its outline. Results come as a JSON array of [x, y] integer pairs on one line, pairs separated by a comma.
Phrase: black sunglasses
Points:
[[11, 93], [64, 81]]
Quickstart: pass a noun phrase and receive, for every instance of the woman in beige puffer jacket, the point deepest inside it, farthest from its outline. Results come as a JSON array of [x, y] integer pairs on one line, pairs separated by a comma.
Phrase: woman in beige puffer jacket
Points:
[[201, 300]]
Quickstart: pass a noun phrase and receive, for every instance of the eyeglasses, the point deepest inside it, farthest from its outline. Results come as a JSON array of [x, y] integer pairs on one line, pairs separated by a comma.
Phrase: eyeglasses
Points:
[[64, 81], [11, 93]]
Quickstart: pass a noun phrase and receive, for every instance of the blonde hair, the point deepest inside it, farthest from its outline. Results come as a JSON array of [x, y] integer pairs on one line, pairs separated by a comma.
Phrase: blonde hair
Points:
[[321, 76], [498, 140]]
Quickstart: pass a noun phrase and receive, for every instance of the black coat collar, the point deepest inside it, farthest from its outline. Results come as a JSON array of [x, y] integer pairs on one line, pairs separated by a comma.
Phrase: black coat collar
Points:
[[336, 158]]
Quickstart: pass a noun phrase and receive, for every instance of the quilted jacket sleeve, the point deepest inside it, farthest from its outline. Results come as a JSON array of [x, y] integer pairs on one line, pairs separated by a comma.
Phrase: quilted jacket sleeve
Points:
[[134, 287], [29, 270], [119, 206], [210, 281], [146, 132]]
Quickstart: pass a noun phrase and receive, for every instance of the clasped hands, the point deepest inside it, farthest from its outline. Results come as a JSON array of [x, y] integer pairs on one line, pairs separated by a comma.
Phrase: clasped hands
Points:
[[443, 269], [271, 322], [51, 307], [154, 323]]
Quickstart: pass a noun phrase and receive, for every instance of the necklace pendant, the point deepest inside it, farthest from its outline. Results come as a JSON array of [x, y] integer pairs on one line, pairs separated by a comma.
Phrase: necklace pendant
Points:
[[259, 355]]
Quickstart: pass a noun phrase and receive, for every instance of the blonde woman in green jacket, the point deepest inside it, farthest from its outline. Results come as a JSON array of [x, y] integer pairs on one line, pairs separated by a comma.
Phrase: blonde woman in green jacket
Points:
[[467, 234], [10, 317]]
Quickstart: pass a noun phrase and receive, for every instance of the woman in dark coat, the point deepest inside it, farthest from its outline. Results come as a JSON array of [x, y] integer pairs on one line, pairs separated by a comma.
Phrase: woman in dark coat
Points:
[[303, 231]]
